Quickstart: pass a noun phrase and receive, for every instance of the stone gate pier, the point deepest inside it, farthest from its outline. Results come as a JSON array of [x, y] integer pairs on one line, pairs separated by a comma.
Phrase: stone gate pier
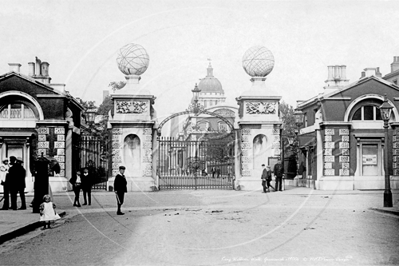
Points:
[[132, 120], [259, 120]]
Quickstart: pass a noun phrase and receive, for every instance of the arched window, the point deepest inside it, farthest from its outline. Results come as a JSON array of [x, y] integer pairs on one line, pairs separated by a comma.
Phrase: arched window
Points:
[[367, 110], [18, 111]]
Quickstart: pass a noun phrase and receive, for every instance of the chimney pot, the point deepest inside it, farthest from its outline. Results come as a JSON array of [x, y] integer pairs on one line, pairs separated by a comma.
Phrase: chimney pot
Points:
[[395, 64], [31, 69], [37, 67], [16, 67], [45, 69]]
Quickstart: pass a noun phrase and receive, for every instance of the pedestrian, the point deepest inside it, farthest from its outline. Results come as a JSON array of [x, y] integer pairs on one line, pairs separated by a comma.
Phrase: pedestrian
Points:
[[120, 188], [13, 182], [302, 172], [87, 182], [3, 177], [278, 171], [269, 178], [263, 177], [217, 172], [76, 182], [213, 171], [47, 212], [20, 174]]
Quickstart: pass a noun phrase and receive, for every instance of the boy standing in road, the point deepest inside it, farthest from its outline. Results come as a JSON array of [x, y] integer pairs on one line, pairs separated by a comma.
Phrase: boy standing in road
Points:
[[120, 188]]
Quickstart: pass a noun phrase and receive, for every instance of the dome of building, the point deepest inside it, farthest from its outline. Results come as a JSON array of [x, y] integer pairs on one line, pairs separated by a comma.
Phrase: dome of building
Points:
[[210, 83], [258, 61], [133, 59]]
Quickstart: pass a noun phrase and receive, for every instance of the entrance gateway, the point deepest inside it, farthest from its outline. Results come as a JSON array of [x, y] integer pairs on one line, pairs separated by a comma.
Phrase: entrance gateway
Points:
[[213, 155], [200, 160]]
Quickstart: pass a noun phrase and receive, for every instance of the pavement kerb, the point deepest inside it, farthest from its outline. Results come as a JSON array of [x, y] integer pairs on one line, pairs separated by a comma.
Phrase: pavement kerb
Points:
[[23, 229]]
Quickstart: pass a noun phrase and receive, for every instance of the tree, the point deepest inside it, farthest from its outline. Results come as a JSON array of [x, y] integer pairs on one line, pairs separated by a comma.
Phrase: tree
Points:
[[105, 106], [289, 127], [87, 104], [117, 85]]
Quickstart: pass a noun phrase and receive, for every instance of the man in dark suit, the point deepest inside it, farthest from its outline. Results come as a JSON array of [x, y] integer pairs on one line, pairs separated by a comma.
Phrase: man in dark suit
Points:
[[120, 188], [21, 184], [278, 172], [87, 182]]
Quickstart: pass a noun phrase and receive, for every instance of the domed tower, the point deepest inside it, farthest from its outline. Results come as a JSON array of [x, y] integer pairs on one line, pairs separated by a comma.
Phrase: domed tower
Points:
[[212, 92]]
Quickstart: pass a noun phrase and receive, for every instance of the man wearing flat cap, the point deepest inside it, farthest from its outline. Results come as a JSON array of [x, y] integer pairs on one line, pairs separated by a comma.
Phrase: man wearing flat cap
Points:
[[120, 188]]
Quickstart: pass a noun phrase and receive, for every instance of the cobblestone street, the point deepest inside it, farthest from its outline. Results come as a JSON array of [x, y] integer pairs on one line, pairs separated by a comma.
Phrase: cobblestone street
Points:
[[296, 227]]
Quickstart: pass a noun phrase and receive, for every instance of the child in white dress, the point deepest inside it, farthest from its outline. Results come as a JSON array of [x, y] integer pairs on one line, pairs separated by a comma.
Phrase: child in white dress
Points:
[[47, 212]]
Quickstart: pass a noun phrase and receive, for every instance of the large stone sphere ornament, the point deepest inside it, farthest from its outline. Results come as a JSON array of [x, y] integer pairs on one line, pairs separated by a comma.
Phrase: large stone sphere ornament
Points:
[[258, 61], [133, 59]]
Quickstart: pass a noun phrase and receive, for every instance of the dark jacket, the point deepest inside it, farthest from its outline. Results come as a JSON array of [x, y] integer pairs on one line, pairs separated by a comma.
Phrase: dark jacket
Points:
[[278, 170], [87, 181], [120, 184], [73, 179], [264, 174], [16, 177], [269, 175]]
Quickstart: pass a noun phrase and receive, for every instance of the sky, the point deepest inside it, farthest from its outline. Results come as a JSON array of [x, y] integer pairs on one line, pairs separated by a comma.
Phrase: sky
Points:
[[80, 40]]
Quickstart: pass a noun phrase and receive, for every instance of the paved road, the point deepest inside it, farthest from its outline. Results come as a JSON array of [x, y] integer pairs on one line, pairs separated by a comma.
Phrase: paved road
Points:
[[294, 227]]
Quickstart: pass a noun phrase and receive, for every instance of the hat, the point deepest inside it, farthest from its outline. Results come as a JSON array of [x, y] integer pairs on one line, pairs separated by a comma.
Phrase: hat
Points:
[[122, 167], [263, 164]]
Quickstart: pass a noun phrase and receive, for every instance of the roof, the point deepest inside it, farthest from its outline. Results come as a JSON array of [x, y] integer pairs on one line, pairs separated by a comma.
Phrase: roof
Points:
[[45, 86], [321, 97]]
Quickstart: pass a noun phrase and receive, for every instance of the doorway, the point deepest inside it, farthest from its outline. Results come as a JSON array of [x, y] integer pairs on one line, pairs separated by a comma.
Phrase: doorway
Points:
[[371, 159]]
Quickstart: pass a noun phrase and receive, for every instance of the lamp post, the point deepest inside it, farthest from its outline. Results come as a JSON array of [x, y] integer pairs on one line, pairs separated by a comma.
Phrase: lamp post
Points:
[[386, 110], [91, 115]]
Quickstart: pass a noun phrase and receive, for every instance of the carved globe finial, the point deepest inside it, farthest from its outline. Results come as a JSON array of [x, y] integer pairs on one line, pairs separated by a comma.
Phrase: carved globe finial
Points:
[[133, 59], [258, 61]]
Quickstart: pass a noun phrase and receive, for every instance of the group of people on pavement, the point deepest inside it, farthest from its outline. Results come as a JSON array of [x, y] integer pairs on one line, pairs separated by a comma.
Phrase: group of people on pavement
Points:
[[84, 182], [266, 177], [12, 175]]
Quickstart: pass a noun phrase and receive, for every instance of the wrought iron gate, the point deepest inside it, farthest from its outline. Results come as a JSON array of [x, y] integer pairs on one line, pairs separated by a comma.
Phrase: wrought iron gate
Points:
[[94, 155], [196, 164]]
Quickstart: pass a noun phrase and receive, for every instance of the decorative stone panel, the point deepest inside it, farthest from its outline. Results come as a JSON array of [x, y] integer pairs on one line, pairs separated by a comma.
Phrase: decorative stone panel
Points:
[[130, 107], [261, 107], [395, 152], [344, 147]]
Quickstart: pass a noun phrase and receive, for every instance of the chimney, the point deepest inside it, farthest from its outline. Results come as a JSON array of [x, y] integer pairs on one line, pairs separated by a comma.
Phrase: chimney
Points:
[[395, 64], [363, 75], [31, 69], [44, 69], [371, 71], [37, 67], [336, 78], [378, 73], [15, 67]]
